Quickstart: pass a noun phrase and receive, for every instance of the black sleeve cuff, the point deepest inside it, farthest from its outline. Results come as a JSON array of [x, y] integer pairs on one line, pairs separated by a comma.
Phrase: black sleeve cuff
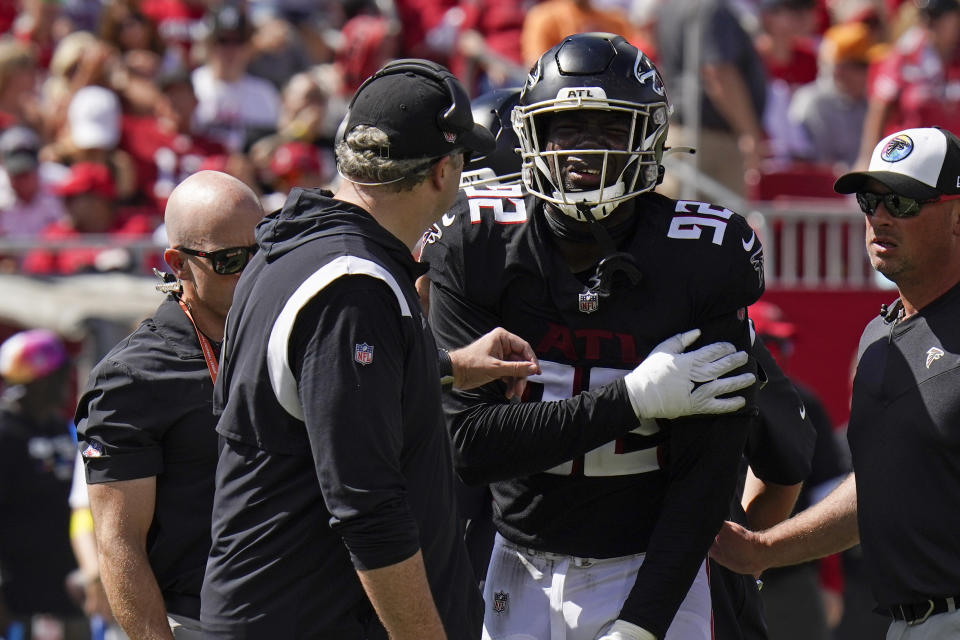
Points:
[[445, 365]]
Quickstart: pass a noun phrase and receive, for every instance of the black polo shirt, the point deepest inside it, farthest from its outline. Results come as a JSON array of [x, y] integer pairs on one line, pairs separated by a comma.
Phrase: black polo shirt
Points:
[[904, 438], [148, 411], [334, 456]]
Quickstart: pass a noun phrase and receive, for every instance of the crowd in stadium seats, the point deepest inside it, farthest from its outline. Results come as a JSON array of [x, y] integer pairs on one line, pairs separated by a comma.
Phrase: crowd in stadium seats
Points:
[[154, 90]]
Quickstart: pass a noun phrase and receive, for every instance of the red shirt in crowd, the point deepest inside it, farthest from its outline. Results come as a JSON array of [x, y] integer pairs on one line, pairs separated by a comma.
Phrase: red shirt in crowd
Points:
[[178, 22], [800, 69], [921, 89], [163, 158]]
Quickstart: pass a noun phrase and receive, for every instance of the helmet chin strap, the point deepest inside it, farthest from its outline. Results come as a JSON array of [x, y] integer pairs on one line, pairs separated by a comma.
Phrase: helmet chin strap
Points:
[[601, 282], [575, 201]]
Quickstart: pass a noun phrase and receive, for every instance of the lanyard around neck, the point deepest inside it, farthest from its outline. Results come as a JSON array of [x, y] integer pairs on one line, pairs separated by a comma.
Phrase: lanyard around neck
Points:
[[205, 345]]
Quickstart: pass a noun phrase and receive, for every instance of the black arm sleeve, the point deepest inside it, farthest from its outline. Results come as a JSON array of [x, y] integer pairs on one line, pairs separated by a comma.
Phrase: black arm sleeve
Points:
[[353, 418], [781, 441], [703, 456], [495, 439]]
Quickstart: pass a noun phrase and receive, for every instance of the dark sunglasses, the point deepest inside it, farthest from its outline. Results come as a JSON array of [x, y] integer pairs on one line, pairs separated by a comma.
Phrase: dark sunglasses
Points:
[[225, 261], [898, 206]]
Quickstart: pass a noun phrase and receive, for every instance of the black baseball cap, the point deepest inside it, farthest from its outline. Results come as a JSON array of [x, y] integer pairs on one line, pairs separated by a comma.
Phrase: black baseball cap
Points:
[[423, 109], [918, 163], [228, 21]]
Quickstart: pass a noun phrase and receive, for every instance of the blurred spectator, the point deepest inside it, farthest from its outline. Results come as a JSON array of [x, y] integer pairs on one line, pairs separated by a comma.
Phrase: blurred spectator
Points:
[[125, 28], [918, 83], [62, 81], [304, 118], [551, 21], [88, 193], [830, 112], [293, 164], [789, 57], [304, 110], [488, 54], [731, 138], [35, 25], [296, 164], [91, 135], [94, 119], [429, 28], [180, 23], [278, 52], [163, 148], [232, 103], [35, 554], [78, 14], [367, 42], [784, 41], [82, 61], [18, 77], [27, 204]]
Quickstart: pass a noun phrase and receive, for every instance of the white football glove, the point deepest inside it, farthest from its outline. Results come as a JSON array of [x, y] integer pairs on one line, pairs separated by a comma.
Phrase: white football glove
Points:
[[662, 386], [623, 630]]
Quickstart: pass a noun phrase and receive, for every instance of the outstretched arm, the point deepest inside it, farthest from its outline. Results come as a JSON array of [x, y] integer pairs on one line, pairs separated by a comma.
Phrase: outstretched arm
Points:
[[497, 355], [830, 526]]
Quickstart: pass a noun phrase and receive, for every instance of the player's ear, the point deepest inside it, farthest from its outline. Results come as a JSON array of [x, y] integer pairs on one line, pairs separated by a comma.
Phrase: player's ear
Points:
[[438, 173], [177, 263]]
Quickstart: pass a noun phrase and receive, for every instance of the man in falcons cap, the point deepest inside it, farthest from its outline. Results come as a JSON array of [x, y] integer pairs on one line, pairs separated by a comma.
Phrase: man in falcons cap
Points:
[[902, 503]]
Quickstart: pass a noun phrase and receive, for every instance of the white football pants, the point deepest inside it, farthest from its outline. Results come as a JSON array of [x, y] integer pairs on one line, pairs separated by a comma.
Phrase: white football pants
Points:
[[535, 595]]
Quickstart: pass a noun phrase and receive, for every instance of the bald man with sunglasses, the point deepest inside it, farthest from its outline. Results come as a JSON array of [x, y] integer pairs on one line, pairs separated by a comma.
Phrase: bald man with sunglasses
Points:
[[902, 503], [145, 422]]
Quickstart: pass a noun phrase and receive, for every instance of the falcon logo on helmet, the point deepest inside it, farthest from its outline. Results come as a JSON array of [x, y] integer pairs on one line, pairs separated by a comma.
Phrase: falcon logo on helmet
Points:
[[655, 81]]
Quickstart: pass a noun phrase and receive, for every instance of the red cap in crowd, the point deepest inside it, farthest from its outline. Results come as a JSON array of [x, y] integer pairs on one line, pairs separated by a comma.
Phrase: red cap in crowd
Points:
[[293, 159], [768, 320], [87, 177]]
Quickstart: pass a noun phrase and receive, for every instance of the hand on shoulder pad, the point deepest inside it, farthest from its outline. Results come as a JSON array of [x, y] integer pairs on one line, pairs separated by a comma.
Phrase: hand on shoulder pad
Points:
[[662, 386], [623, 630]]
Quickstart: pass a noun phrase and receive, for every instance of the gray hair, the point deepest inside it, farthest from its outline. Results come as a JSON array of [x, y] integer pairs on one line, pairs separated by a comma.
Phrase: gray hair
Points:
[[360, 159]]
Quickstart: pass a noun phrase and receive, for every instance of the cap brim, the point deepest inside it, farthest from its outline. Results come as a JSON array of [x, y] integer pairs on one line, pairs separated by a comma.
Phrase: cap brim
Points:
[[20, 163], [479, 140], [896, 182], [776, 329]]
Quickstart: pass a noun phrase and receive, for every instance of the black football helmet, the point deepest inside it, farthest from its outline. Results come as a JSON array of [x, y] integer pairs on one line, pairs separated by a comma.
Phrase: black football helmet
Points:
[[502, 165], [600, 71]]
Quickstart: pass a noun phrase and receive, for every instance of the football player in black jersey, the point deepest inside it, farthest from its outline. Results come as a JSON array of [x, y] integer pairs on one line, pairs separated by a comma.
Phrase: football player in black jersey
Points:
[[605, 505], [502, 165]]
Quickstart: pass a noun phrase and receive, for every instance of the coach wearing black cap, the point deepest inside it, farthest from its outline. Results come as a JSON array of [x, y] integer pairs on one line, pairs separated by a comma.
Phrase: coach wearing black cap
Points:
[[903, 501], [334, 513]]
